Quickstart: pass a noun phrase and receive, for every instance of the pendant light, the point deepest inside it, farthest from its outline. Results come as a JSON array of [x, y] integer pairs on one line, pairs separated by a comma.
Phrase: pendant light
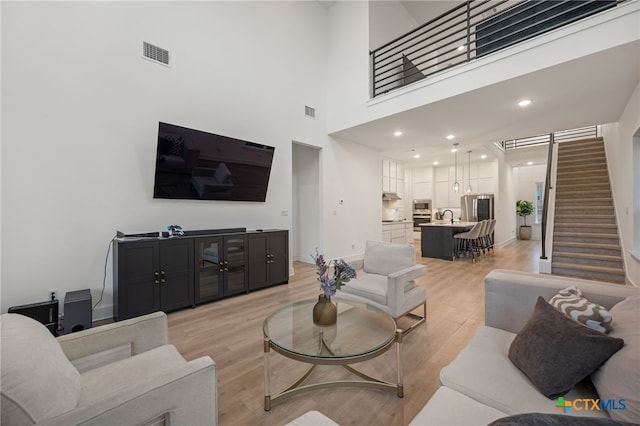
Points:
[[469, 189], [456, 185]]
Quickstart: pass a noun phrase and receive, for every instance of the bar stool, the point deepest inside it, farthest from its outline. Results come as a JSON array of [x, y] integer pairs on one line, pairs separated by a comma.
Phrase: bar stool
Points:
[[492, 226], [482, 242], [468, 240]]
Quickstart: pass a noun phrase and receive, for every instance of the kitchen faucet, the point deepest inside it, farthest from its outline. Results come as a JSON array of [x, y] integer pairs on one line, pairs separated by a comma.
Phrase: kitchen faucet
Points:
[[450, 211]]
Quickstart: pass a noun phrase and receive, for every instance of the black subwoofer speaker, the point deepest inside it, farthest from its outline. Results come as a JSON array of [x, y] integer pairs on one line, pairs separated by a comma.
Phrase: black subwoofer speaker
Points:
[[77, 310]]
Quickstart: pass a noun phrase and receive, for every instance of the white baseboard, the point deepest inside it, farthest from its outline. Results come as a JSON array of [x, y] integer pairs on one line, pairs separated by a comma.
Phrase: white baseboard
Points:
[[102, 313], [505, 243]]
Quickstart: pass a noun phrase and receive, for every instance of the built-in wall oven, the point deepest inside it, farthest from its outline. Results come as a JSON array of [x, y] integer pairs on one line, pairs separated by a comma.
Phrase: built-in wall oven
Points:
[[421, 213]]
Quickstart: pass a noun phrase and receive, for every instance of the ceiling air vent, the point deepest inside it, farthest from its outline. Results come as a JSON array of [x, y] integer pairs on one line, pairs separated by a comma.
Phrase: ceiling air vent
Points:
[[309, 112], [155, 53]]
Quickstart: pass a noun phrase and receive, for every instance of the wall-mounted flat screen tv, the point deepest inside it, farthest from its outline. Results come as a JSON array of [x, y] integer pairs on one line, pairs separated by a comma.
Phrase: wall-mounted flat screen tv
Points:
[[192, 164]]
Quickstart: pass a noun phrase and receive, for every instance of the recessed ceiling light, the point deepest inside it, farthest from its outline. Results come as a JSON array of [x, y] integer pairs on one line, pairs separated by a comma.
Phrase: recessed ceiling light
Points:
[[529, 163], [450, 137], [397, 133], [525, 102], [416, 155], [461, 47], [435, 163], [483, 156]]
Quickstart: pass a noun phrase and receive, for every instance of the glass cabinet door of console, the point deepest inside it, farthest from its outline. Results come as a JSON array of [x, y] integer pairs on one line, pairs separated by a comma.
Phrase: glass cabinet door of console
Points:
[[209, 268], [236, 281]]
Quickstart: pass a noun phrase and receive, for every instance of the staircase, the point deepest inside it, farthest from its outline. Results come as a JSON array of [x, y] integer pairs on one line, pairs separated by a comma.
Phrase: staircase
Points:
[[585, 235]]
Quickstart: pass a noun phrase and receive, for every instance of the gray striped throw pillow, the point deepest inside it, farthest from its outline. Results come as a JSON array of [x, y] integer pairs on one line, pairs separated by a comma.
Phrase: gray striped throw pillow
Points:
[[571, 302]]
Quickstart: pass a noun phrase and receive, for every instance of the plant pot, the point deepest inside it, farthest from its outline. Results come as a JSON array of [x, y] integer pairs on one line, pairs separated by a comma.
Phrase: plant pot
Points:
[[324, 312], [525, 232]]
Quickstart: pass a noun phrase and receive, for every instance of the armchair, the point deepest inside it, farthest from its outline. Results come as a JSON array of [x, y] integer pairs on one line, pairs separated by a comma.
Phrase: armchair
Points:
[[120, 373], [387, 281]]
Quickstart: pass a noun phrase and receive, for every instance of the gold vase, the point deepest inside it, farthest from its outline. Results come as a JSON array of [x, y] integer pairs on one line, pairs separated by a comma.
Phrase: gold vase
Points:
[[324, 312]]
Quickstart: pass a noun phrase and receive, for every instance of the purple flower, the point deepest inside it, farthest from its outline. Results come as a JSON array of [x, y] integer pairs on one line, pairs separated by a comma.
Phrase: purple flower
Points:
[[342, 274]]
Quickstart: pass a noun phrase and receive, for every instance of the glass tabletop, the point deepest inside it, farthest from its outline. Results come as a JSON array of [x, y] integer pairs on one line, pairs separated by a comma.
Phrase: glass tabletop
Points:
[[359, 330]]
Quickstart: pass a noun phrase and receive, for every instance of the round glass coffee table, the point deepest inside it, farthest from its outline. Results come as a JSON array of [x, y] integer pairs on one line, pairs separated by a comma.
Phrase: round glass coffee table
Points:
[[362, 332]]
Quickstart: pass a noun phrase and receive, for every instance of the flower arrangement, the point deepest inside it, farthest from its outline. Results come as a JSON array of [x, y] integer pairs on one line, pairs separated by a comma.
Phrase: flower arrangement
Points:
[[342, 274]]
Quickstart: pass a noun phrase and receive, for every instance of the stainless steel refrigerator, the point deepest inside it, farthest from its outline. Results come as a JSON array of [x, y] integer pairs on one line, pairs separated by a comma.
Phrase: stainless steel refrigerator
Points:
[[476, 207]]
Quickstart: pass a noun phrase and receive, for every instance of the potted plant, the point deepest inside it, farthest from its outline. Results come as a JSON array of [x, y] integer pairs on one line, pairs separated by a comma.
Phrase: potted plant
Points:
[[524, 208]]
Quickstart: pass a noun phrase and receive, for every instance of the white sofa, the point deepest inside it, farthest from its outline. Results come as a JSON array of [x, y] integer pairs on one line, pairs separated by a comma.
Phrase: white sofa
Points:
[[482, 385], [123, 373]]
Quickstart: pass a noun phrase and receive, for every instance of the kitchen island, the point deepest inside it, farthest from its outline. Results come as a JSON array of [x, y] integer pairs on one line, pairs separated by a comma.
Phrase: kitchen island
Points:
[[436, 239]]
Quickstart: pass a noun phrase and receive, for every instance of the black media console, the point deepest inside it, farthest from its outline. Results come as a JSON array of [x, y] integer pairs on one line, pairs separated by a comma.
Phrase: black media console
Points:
[[152, 273]]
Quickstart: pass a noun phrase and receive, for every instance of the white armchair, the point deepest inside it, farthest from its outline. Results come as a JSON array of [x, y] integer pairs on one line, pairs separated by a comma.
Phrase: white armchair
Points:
[[387, 281], [149, 383]]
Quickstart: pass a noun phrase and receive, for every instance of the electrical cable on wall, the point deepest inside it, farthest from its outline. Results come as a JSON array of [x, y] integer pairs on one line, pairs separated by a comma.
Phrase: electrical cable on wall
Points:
[[104, 276]]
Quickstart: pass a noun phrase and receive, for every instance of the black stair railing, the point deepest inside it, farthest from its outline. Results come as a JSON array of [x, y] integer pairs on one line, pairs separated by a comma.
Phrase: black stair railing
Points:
[[545, 203], [468, 31]]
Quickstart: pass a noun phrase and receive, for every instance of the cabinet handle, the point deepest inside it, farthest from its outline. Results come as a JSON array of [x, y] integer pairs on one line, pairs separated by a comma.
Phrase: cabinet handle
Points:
[[155, 273]]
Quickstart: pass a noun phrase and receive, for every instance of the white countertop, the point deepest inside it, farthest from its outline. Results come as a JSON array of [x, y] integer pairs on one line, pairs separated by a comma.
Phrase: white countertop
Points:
[[391, 222], [449, 224]]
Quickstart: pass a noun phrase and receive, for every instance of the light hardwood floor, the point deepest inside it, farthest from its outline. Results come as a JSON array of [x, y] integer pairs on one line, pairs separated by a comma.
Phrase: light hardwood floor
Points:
[[230, 332]]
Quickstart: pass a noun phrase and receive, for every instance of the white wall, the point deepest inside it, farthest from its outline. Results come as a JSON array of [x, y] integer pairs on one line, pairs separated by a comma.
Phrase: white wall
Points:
[[80, 111], [619, 146], [505, 203], [348, 63], [351, 198], [387, 21]]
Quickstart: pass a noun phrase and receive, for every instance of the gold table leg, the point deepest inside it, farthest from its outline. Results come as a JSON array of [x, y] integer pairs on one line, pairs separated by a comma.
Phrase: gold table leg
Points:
[[267, 373]]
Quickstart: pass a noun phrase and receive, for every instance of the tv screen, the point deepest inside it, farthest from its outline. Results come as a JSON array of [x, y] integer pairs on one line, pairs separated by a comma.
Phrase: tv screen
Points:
[[196, 165]]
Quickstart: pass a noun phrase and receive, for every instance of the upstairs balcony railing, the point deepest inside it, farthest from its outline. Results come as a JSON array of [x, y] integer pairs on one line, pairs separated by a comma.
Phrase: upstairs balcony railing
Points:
[[469, 31], [559, 136]]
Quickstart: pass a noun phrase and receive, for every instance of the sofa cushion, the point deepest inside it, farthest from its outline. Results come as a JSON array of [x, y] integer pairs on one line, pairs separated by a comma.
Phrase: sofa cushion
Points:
[[556, 352], [619, 377], [451, 408], [37, 377], [544, 419], [104, 382], [312, 418], [483, 371], [370, 286], [570, 302], [385, 258]]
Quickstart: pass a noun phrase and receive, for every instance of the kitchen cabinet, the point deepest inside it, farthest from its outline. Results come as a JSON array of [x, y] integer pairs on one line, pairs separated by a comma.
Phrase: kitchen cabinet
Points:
[[437, 240], [268, 258], [151, 276], [220, 267], [392, 176], [397, 232]]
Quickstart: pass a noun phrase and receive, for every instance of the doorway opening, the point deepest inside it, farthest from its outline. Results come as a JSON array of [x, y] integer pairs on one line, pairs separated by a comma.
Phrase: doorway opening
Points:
[[306, 221]]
